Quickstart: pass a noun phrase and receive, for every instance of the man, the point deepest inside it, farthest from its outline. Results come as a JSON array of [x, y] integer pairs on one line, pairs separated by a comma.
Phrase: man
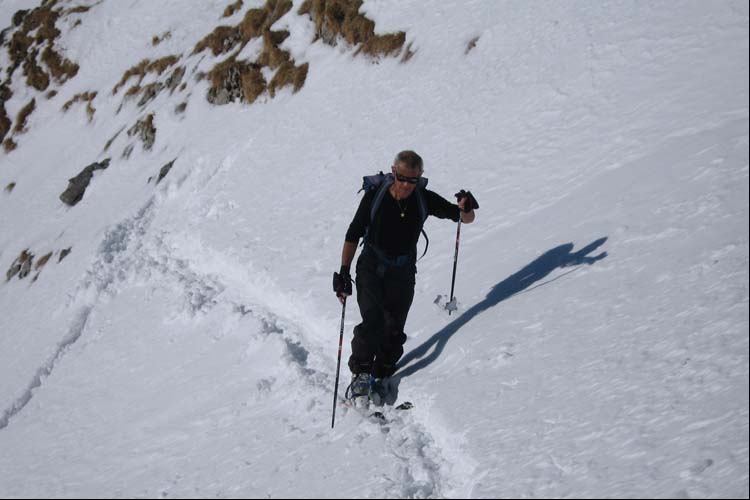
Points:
[[386, 268]]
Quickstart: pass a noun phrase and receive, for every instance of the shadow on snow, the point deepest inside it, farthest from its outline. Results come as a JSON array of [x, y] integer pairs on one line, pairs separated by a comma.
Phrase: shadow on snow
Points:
[[522, 281]]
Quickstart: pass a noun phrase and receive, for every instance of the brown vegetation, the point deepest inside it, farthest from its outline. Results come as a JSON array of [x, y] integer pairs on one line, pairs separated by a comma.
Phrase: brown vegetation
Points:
[[336, 19], [144, 67], [156, 40], [5, 123], [21, 266], [37, 33], [175, 78], [220, 40], [23, 115], [236, 80], [80, 9], [62, 69], [231, 9], [31, 48], [24, 264], [86, 97], [145, 130], [288, 74], [43, 261]]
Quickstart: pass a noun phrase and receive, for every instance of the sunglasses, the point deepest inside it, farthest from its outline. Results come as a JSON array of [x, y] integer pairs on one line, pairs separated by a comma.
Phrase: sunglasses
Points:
[[403, 178]]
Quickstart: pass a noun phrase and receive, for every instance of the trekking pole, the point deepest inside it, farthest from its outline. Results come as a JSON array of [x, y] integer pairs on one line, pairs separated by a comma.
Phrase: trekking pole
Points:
[[455, 261], [338, 364]]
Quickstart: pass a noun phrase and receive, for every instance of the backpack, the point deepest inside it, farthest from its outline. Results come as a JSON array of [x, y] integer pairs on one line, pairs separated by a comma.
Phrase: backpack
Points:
[[382, 182]]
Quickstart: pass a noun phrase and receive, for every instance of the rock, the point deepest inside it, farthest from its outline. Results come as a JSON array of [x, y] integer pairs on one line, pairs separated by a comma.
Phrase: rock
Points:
[[78, 184]]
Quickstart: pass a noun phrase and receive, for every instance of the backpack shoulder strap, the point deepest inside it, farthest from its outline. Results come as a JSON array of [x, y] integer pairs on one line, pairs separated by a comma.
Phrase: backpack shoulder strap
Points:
[[387, 181], [422, 201]]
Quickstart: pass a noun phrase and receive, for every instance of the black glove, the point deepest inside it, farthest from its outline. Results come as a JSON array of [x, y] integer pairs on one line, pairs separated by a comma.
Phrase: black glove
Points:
[[471, 202], [342, 282]]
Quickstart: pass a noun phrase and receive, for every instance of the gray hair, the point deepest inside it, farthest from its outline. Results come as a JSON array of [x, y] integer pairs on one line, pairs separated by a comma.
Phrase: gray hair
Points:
[[411, 159]]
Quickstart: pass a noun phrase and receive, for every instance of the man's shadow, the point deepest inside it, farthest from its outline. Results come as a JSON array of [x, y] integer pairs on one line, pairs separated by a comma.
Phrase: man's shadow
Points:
[[558, 257]]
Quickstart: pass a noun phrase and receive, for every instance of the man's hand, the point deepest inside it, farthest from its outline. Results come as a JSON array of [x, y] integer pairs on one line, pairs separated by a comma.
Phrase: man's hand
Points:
[[342, 283], [466, 201]]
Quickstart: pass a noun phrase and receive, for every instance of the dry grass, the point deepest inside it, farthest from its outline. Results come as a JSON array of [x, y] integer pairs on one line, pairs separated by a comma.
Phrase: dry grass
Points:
[[258, 21], [36, 34], [472, 43], [62, 69], [272, 56], [77, 10], [231, 9], [31, 48], [252, 24], [220, 40], [133, 91], [232, 79], [35, 76], [43, 261], [18, 48], [336, 19], [86, 97], [175, 78], [288, 74], [23, 116], [253, 83], [145, 130], [138, 70], [21, 266], [156, 40], [43, 20], [144, 67], [19, 16], [5, 122], [384, 45]]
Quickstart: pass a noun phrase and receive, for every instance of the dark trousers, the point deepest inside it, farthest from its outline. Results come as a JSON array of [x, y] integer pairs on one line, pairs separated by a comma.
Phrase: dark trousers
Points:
[[384, 295]]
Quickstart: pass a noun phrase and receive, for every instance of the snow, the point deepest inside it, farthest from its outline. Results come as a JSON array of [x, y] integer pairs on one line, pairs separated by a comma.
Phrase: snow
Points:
[[187, 345]]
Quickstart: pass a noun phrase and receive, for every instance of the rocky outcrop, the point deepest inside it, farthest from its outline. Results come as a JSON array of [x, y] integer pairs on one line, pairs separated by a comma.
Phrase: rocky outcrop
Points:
[[78, 184]]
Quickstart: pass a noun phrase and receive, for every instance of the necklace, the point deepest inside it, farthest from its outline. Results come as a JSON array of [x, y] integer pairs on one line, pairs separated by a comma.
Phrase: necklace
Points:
[[403, 209]]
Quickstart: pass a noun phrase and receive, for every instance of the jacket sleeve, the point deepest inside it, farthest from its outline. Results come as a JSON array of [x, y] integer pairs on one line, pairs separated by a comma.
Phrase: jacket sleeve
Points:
[[440, 207], [361, 219]]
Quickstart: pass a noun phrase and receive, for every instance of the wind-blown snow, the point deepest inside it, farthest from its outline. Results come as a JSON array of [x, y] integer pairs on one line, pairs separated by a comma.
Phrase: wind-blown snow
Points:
[[187, 345]]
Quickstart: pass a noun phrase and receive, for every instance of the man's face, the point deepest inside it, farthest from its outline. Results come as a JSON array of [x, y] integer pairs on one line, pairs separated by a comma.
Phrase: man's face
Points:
[[406, 179]]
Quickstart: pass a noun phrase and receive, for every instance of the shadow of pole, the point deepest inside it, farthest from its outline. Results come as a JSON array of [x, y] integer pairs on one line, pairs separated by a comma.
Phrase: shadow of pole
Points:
[[558, 257]]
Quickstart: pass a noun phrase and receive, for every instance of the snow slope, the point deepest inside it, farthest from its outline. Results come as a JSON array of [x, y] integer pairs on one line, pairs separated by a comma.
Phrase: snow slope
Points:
[[187, 345]]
